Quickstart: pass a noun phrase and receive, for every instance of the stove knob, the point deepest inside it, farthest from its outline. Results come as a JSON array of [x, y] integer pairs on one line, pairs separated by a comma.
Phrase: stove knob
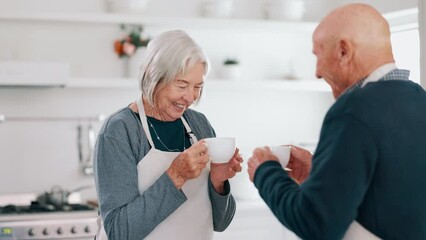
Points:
[[73, 230], [87, 229], [31, 232], [59, 231], [45, 232]]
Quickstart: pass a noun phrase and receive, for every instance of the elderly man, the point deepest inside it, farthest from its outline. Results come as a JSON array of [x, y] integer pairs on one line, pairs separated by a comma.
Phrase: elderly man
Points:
[[368, 171]]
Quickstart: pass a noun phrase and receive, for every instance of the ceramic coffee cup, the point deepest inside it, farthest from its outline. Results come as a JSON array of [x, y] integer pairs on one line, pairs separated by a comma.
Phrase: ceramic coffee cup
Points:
[[283, 154], [220, 149]]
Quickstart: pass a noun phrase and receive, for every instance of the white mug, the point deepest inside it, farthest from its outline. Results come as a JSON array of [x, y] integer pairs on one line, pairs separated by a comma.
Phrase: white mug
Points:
[[220, 149], [282, 153]]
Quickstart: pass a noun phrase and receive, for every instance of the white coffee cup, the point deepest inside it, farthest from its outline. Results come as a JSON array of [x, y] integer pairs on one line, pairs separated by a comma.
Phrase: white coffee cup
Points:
[[283, 154], [221, 149]]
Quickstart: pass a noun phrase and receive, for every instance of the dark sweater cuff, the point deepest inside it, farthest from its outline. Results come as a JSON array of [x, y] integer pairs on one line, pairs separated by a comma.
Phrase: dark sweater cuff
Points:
[[178, 194], [263, 170], [226, 187]]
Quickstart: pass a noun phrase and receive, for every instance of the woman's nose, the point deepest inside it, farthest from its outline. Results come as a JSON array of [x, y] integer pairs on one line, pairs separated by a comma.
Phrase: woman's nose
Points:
[[189, 95]]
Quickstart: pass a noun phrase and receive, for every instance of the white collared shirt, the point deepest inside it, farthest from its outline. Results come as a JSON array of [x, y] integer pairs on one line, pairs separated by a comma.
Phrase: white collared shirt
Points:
[[379, 73]]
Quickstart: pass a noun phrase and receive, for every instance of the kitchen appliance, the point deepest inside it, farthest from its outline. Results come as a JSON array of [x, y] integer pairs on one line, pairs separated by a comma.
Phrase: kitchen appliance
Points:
[[47, 221]]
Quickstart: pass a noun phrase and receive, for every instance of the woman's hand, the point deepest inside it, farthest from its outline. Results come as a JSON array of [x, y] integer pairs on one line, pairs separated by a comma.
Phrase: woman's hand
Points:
[[220, 172], [300, 164], [189, 164]]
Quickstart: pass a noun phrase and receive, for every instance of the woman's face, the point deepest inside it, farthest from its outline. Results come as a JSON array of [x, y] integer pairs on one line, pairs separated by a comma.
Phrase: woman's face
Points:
[[172, 100]]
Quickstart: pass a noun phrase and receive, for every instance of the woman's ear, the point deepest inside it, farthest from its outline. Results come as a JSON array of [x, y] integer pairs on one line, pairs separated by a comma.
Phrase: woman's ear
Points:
[[344, 51]]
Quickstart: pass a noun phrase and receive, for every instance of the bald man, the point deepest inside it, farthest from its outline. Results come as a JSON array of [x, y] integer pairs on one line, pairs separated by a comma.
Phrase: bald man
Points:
[[368, 173]]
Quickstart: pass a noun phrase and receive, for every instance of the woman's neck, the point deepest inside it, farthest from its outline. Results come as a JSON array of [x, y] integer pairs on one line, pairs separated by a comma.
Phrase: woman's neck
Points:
[[150, 110]]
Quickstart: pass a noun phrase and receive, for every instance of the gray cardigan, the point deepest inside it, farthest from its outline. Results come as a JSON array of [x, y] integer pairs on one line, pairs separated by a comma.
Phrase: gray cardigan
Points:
[[120, 146]]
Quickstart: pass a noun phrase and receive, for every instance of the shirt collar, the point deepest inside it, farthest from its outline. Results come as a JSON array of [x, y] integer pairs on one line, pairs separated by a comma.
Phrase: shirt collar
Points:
[[379, 73], [374, 76]]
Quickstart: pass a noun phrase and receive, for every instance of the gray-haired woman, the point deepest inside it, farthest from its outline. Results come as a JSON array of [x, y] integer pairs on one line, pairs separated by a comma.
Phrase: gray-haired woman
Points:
[[152, 171]]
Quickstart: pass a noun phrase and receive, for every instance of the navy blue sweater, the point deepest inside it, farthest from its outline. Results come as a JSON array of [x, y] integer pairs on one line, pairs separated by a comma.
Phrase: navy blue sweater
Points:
[[369, 165]]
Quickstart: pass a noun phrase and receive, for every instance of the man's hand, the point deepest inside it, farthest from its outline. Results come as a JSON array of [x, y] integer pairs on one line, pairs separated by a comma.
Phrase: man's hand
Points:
[[300, 163], [260, 155]]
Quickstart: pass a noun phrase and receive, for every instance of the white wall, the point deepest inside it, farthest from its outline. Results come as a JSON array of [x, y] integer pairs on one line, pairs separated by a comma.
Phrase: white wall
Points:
[[382, 6], [315, 9], [422, 29]]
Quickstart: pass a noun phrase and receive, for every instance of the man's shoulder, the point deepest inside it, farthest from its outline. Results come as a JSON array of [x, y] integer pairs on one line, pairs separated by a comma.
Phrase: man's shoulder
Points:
[[374, 96], [383, 92]]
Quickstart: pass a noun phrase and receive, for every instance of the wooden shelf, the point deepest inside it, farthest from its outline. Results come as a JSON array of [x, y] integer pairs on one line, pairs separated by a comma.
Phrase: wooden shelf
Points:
[[195, 22], [212, 84]]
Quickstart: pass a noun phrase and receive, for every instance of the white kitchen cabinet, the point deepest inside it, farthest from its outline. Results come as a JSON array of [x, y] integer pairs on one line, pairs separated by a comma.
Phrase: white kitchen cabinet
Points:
[[253, 221]]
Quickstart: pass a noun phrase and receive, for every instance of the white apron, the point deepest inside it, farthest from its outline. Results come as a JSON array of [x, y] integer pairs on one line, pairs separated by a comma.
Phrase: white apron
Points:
[[357, 232], [191, 221]]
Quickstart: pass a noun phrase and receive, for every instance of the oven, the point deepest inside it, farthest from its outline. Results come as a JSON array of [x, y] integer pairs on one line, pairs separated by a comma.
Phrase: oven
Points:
[[73, 221]]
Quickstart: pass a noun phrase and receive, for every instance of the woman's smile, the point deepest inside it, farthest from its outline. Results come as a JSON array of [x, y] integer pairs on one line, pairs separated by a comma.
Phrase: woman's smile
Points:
[[179, 106]]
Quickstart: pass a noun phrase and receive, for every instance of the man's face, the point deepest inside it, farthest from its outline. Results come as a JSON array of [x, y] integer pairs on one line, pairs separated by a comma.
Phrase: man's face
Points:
[[328, 64]]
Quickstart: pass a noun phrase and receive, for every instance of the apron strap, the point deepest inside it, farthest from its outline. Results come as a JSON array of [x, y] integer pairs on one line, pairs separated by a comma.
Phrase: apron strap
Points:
[[144, 121], [189, 131], [142, 116]]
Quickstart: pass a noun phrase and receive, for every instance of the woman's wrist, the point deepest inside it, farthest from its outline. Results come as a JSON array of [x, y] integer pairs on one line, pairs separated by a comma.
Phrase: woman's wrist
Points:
[[176, 179], [218, 186]]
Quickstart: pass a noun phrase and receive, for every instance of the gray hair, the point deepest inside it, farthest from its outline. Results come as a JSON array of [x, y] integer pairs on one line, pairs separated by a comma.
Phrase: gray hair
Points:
[[169, 54]]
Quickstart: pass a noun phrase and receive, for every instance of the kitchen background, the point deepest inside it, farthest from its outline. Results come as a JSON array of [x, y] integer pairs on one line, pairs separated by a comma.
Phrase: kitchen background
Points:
[[45, 135]]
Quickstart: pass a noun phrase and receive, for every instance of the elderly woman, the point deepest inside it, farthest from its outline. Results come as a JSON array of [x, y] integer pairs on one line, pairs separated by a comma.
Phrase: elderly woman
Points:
[[152, 171]]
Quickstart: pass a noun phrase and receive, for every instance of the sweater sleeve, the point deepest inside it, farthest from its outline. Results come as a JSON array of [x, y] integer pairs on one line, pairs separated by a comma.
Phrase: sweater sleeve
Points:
[[326, 203], [126, 213], [223, 207]]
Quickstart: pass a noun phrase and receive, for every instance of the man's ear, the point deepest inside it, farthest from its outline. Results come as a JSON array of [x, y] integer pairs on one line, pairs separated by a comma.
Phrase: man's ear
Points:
[[344, 51]]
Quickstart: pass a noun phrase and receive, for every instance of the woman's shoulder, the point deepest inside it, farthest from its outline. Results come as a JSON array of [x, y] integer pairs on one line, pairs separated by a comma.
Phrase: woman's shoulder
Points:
[[194, 114], [120, 120], [199, 123]]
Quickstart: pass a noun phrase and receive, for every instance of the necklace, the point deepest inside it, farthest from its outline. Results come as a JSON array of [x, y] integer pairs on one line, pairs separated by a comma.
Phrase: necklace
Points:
[[162, 143]]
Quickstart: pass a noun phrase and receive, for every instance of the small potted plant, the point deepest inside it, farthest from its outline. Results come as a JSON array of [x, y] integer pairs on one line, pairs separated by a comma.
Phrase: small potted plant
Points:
[[132, 47], [128, 46], [231, 68]]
